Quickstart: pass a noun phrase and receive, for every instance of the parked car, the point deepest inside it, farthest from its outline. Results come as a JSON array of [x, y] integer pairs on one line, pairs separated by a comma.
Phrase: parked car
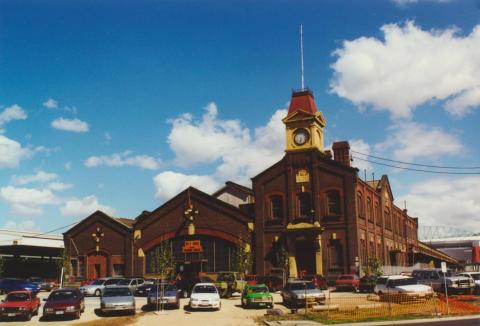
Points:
[[273, 283], [251, 279], [298, 293], [8, 285], [347, 282], [117, 298], [98, 285], [256, 295], [186, 285], [228, 283], [437, 280], [367, 283], [167, 294], [42, 284], [318, 280], [475, 276], [402, 288], [20, 304], [131, 283], [144, 289], [205, 296], [64, 302]]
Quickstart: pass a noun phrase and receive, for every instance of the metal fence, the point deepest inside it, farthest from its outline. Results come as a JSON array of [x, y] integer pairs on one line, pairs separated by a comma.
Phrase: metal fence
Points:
[[371, 306]]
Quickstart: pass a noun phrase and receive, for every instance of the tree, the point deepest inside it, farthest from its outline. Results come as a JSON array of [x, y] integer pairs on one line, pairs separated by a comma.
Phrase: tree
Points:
[[64, 262], [373, 267], [163, 261], [244, 260]]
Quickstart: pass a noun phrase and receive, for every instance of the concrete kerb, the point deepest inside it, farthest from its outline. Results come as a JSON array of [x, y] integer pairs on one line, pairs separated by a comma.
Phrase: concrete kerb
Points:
[[380, 323]]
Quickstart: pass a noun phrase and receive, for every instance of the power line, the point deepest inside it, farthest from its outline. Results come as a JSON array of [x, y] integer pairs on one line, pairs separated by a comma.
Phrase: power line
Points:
[[417, 170], [424, 165]]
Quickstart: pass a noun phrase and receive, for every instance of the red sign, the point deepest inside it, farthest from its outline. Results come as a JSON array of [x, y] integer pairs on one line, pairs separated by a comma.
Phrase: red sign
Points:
[[192, 246]]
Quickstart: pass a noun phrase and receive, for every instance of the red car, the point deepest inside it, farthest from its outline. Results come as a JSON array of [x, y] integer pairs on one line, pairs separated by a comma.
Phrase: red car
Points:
[[273, 283], [64, 302], [251, 279], [318, 280], [20, 304], [348, 281]]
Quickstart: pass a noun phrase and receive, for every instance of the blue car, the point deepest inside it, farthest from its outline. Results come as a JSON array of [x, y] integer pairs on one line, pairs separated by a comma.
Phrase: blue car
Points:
[[169, 298], [8, 285]]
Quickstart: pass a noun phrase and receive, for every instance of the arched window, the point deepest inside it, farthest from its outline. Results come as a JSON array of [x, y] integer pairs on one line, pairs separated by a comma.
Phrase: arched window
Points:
[[361, 209], [333, 203], [388, 219], [276, 207], [369, 210], [304, 204]]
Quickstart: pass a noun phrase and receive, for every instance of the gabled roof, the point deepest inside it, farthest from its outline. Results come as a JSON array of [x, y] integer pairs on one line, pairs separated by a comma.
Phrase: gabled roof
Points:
[[124, 223], [233, 185]]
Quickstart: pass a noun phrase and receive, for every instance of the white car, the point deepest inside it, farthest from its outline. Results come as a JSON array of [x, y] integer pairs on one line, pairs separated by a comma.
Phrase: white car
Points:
[[402, 286], [475, 276], [205, 296]]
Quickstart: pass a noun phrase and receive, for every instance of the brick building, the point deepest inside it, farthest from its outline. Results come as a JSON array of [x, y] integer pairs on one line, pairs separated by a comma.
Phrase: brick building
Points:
[[308, 213]]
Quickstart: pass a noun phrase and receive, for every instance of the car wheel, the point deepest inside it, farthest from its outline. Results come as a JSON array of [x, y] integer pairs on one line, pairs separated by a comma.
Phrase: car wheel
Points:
[[28, 316], [355, 289], [77, 315], [178, 305], [98, 292]]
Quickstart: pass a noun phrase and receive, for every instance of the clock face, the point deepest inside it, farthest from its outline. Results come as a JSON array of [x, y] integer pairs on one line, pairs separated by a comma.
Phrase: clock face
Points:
[[301, 136]]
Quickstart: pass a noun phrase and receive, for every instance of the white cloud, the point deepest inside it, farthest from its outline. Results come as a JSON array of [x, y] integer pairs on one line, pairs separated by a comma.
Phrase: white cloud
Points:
[[73, 125], [402, 3], [12, 152], [359, 145], [27, 201], [50, 104], [108, 138], [169, 184], [59, 186], [240, 153], [83, 207], [68, 166], [446, 201], [28, 225], [411, 140], [124, 159], [11, 113], [39, 177], [408, 68]]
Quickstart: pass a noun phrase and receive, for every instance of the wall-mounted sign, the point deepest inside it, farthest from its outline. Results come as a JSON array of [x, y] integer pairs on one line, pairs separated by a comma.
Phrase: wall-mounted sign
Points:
[[192, 246], [302, 176]]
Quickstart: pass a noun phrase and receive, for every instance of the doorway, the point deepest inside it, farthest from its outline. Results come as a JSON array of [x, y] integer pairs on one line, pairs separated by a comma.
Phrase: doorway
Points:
[[305, 256]]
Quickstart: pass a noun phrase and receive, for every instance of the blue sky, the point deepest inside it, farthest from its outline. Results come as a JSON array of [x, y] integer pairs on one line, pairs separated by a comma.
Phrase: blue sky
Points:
[[120, 105]]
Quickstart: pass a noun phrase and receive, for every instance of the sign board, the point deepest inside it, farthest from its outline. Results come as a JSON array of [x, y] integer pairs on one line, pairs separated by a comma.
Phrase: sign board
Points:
[[192, 246], [443, 265]]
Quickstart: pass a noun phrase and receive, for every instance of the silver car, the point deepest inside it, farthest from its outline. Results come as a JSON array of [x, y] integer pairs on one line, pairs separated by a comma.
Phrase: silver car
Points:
[[117, 298], [299, 293], [131, 283]]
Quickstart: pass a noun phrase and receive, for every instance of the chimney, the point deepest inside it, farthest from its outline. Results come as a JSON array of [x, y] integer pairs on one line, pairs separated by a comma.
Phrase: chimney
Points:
[[341, 152], [328, 153]]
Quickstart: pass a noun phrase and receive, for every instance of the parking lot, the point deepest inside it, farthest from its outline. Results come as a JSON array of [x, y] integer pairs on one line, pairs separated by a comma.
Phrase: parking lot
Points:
[[231, 314]]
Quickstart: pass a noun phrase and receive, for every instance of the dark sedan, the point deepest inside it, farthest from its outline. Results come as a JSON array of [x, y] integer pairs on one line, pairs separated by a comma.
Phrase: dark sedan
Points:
[[64, 302], [169, 297]]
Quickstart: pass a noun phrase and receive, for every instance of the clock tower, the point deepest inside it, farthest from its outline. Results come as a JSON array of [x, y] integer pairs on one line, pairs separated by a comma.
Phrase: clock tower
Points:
[[304, 123]]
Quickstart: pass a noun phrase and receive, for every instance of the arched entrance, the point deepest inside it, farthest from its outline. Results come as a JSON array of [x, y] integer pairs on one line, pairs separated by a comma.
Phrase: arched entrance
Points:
[[196, 254], [97, 265]]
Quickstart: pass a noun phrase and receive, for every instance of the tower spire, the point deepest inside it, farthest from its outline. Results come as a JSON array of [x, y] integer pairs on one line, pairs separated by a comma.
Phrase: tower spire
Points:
[[301, 54]]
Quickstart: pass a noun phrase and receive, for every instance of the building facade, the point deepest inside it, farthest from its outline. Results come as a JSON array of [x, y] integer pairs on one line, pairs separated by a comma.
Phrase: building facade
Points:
[[309, 213]]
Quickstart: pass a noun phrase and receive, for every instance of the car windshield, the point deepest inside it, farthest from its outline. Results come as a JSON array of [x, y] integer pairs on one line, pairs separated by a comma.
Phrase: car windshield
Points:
[[123, 282], [302, 286], [166, 288], [404, 281], [98, 282], [62, 295], [18, 297], [112, 281], [346, 277], [116, 292], [475, 276], [204, 289], [226, 277], [258, 289]]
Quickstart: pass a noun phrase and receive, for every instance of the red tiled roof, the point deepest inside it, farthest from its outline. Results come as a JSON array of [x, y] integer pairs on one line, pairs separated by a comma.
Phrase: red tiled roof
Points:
[[302, 101], [126, 221]]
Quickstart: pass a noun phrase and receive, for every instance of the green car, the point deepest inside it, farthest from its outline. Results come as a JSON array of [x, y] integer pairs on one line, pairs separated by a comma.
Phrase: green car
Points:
[[256, 296]]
